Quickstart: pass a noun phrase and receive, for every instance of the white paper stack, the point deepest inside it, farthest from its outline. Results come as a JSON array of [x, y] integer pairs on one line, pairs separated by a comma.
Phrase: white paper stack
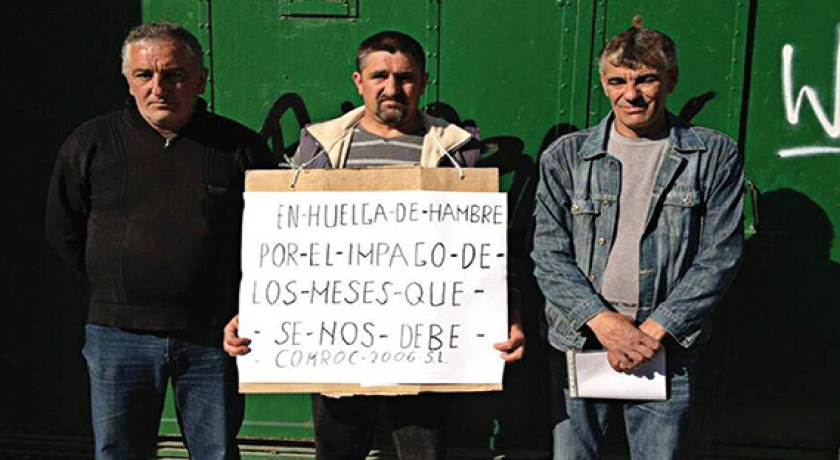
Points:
[[591, 376]]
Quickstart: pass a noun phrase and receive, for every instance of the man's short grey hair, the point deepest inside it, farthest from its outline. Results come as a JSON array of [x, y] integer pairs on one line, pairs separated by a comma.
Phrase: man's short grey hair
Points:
[[637, 47], [159, 32]]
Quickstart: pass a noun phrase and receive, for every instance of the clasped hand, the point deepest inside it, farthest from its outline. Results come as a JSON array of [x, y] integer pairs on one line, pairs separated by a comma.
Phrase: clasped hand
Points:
[[627, 346]]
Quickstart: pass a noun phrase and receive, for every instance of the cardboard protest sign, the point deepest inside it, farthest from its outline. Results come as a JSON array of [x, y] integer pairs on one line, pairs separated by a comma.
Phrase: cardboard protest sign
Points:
[[365, 292]]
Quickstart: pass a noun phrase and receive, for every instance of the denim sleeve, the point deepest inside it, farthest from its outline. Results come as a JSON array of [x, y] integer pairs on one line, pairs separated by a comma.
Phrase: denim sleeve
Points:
[[562, 282], [689, 305]]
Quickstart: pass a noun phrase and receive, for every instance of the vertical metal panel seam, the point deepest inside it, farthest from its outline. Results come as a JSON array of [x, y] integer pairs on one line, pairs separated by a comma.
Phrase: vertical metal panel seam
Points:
[[432, 45], [565, 62], [574, 76], [598, 37], [584, 37], [205, 28], [580, 108], [737, 68]]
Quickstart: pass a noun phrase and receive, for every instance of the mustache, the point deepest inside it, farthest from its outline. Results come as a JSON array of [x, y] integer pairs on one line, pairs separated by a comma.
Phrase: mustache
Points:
[[395, 97]]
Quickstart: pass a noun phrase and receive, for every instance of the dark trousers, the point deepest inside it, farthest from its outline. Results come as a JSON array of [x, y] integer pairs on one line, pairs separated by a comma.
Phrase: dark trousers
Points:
[[345, 427]]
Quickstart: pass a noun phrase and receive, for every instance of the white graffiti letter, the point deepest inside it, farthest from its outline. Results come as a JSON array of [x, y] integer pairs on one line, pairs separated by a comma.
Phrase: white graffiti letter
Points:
[[793, 109]]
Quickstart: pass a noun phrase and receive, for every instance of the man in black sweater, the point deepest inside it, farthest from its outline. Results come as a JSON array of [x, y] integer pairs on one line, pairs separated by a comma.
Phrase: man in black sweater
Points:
[[145, 204]]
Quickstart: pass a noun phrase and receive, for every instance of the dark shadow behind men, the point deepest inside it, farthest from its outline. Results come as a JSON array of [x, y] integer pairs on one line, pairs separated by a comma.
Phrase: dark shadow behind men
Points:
[[45, 392], [776, 358]]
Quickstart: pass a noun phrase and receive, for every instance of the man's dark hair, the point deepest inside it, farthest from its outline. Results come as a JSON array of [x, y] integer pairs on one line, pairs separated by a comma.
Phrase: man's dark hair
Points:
[[638, 46], [392, 42], [163, 31]]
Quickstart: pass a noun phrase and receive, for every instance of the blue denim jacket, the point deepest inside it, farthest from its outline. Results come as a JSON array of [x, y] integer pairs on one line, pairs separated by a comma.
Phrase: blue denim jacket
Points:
[[690, 248]]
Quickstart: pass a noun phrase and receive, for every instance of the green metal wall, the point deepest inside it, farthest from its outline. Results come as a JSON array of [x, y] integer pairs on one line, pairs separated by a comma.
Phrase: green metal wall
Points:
[[523, 72], [778, 352]]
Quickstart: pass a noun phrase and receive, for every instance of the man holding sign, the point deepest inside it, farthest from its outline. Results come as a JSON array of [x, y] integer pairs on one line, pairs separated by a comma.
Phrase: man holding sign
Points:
[[638, 236], [389, 130]]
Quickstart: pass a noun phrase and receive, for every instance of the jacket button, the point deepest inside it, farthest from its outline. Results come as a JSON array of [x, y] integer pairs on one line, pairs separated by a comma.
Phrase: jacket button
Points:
[[687, 200], [592, 278], [606, 203], [601, 241], [575, 207]]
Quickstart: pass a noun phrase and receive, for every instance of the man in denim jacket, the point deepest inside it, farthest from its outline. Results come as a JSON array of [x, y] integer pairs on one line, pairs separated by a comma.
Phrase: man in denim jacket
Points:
[[638, 236]]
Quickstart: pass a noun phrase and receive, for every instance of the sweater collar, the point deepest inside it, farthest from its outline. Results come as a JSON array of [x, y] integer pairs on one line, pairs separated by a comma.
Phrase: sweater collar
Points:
[[136, 119]]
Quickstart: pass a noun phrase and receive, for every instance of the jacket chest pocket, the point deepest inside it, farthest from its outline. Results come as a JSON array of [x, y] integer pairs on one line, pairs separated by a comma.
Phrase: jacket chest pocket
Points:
[[584, 210], [681, 212], [585, 213]]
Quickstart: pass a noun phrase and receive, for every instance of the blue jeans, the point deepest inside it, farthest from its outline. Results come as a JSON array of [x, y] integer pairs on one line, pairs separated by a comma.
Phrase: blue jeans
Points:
[[129, 372], [655, 429]]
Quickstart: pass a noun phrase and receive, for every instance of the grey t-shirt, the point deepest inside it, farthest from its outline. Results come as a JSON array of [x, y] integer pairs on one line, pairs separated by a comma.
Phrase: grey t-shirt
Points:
[[640, 160], [367, 149]]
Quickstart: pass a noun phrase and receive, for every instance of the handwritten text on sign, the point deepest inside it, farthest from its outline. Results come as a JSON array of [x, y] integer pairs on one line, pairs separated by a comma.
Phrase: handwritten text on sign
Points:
[[373, 287]]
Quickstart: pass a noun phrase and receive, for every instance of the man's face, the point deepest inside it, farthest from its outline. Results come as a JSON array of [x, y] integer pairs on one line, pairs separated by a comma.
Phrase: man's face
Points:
[[165, 82], [638, 98], [391, 86]]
